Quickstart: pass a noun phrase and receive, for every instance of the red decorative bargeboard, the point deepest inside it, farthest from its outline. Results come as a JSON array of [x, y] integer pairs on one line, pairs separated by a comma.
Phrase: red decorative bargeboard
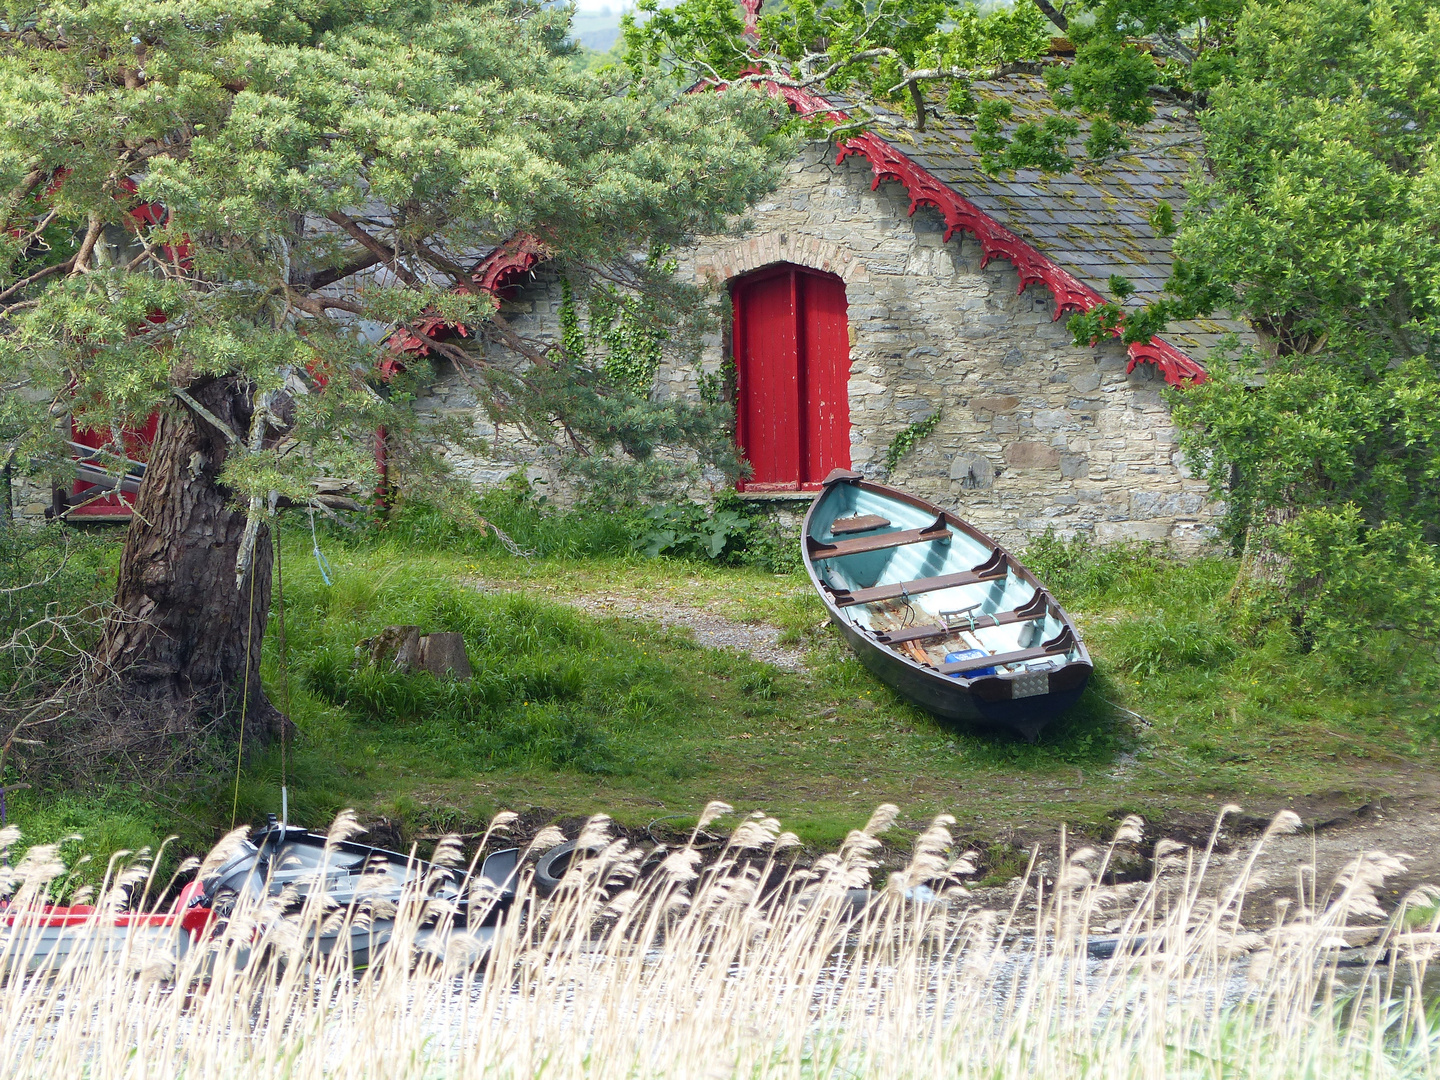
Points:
[[492, 274], [925, 189]]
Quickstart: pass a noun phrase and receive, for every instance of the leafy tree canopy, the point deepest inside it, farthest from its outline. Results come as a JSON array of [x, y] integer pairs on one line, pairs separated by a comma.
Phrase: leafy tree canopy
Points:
[[329, 170]]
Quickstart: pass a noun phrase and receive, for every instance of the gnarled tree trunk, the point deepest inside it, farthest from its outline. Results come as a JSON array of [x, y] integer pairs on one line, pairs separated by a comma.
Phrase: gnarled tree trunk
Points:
[[183, 638]]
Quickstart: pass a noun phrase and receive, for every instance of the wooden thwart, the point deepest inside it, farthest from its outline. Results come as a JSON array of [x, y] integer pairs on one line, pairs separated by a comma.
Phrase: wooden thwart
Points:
[[1034, 608], [858, 523], [935, 531], [992, 569], [1062, 642]]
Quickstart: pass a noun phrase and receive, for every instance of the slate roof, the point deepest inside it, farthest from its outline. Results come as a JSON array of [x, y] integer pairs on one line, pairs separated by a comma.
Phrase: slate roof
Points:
[[1094, 221]]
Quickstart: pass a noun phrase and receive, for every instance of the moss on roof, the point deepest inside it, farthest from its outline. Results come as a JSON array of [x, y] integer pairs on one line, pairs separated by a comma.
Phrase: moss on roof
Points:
[[1095, 221]]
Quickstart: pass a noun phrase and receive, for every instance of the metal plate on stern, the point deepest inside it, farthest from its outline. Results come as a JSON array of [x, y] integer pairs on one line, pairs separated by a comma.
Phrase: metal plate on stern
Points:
[[1030, 684]]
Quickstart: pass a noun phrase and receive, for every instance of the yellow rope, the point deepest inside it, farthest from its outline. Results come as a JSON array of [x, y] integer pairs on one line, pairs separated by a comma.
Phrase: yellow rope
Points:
[[244, 696]]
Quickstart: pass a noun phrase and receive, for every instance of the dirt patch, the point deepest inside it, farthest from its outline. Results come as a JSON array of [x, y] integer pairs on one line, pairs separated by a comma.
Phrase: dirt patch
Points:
[[711, 629]]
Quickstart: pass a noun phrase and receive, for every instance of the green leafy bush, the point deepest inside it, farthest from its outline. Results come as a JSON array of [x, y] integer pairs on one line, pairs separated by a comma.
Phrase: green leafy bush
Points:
[[732, 532], [530, 520], [1368, 596], [1079, 571], [729, 531], [53, 585]]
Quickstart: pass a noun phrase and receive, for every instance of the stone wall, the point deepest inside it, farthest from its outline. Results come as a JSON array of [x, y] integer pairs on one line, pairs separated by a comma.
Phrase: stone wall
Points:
[[1035, 432]]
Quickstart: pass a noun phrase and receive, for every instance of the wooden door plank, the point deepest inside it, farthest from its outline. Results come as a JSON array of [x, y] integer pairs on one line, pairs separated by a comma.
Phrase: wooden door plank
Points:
[[824, 350]]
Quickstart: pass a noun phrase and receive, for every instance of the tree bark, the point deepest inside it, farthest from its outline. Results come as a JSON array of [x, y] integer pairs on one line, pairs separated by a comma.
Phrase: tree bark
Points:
[[1049, 11], [1263, 567], [182, 636]]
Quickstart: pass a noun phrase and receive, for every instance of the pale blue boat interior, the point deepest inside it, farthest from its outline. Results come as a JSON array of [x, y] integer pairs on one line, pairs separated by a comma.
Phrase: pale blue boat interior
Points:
[[934, 558]]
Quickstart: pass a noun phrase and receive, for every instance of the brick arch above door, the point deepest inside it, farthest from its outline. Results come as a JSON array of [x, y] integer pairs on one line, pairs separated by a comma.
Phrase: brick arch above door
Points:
[[727, 261]]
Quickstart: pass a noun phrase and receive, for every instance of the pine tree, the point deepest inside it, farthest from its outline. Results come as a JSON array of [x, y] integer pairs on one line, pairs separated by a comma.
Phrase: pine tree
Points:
[[222, 212]]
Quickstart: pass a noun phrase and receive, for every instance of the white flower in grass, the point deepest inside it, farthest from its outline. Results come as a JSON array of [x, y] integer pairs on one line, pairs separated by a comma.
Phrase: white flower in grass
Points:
[[595, 833], [1284, 823], [680, 865], [545, 839], [713, 809], [346, 826], [502, 821]]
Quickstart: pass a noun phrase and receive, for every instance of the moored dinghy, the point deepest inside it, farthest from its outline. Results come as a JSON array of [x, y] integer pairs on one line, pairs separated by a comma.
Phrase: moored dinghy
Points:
[[938, 610]]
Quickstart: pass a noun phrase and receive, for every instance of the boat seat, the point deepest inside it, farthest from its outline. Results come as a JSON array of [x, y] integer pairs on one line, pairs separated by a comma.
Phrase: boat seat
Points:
[[858, 523], [1062, 642], [1034, 608], [818, 549], [992, 569]]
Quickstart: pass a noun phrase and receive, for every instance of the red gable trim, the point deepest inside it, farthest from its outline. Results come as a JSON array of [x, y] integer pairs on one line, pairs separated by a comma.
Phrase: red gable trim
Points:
[[925, 189], [518, 255]]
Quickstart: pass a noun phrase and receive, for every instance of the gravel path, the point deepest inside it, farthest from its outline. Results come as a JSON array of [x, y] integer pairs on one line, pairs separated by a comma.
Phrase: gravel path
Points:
[[711, 629]]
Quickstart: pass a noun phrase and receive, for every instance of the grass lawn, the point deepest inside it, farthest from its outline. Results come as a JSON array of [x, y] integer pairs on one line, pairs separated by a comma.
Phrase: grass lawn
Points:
[[571, 714]]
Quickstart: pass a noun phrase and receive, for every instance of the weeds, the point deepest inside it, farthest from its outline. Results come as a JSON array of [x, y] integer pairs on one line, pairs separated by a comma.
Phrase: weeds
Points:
[[731, 532]]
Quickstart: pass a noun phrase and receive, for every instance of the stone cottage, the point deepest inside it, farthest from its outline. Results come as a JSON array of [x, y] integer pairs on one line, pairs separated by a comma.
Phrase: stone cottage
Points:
[[889, 280]]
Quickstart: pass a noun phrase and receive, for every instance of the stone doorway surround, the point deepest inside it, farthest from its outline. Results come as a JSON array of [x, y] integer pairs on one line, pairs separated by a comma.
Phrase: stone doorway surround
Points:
[[726, 261]]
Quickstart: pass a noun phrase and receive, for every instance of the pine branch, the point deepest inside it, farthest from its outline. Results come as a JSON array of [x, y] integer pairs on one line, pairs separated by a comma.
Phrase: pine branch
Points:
[[321, 278], [386, 255], [19, 193], [87, 245], [461, 275], [39, 275], [206, 415]]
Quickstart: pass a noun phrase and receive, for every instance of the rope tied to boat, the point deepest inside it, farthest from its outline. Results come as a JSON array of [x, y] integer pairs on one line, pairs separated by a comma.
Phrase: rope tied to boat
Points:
[[909, 619], [320, 560]]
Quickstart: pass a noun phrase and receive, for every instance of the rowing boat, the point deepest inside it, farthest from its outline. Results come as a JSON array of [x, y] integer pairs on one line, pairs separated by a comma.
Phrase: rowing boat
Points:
[[361, 887], [939, 611]]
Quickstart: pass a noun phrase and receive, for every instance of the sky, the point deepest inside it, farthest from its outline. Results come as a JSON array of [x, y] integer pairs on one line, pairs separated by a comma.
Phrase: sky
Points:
[[602, 7]]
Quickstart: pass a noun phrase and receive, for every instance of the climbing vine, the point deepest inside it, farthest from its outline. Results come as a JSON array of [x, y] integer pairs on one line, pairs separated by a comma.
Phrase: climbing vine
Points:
[[618, 341], [905, 441]]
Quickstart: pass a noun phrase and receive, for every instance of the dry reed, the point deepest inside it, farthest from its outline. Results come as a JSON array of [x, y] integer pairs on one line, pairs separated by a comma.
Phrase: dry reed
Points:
[[657, 964]]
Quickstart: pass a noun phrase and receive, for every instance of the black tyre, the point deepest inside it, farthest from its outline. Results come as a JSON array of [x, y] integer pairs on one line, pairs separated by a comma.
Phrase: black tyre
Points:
[[553, 864]]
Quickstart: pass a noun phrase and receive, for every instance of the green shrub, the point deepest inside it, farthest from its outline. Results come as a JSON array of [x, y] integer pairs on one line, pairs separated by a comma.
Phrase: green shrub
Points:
[[45, 572], [730, 531], [1369, 597], [1080, 571], [529, 520]]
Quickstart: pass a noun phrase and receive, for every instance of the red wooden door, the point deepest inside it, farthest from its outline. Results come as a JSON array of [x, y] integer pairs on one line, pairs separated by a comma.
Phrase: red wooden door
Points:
[[792, 358], [768, 377]]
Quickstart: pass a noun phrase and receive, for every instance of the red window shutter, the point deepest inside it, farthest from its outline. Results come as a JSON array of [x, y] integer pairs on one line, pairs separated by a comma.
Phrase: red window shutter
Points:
[[792, 358]]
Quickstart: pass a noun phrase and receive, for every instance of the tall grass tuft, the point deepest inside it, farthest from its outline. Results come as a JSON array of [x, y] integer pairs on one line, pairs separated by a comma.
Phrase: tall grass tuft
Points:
[[659, 964]]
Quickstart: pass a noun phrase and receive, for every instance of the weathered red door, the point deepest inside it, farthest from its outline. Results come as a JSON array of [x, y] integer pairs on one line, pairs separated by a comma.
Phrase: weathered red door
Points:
[[792, 360]]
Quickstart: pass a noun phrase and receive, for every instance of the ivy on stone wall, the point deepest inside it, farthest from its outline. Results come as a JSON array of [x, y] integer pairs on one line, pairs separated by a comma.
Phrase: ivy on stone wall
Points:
[[905, 441], [626, 347]]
